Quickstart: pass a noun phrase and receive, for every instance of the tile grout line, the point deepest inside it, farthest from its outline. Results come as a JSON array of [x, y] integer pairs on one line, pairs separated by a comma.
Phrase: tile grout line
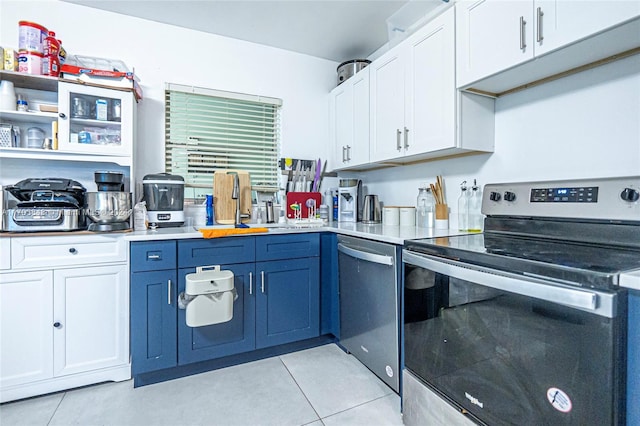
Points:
[[56, 410], [304, 394], [359, 405]]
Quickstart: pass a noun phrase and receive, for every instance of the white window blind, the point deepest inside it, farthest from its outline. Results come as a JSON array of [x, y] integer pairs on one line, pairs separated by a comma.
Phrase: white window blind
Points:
[[209, 130]]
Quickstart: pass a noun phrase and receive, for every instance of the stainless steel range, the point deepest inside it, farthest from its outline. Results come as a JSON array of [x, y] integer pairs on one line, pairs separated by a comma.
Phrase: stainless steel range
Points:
[[526, 323]]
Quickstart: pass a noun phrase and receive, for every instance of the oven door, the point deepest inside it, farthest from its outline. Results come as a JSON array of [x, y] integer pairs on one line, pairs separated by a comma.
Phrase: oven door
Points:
[[509, 349]]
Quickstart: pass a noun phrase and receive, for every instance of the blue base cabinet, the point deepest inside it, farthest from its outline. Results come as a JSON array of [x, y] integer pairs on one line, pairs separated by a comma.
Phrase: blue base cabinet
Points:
[[288, 301], [227, 338], [153, 306], [276, 277]]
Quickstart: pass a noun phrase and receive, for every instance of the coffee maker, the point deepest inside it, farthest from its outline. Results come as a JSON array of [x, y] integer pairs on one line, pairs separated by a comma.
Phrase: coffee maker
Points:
[[349, 200], [164, 195]]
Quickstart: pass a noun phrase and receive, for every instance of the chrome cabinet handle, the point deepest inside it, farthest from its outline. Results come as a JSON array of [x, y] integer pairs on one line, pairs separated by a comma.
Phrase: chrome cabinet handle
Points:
[[262, 281], [406, 138], [153, 257], [168, 292], [250, 282], [398, 144], [539, 36], [344, 157], [523, 42], [348, 153]]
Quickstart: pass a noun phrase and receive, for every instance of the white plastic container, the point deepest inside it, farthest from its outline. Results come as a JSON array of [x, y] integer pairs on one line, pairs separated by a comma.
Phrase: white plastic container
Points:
[[31, 36], [407, 216], [30, 62], [391, 215], [211, 295]]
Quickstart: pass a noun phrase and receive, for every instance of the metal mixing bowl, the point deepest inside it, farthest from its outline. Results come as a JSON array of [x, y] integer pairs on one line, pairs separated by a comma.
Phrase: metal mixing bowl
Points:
[[106, 207]]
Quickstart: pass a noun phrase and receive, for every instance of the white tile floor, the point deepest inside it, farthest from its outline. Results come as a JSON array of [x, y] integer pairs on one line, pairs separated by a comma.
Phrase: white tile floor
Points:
[[315, 387]]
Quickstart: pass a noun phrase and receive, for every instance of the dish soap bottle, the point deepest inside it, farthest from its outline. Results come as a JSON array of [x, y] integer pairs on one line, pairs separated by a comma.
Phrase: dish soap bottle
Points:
[[475, 209], [463, 208], [425, 207]]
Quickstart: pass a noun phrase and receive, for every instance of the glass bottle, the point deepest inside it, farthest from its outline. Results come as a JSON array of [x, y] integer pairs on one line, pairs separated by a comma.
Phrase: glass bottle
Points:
[[425, 207], [475, 209], [463, 208]]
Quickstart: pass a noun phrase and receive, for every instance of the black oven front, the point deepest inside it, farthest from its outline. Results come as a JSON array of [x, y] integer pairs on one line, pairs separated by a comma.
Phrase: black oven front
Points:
[[508, 349]]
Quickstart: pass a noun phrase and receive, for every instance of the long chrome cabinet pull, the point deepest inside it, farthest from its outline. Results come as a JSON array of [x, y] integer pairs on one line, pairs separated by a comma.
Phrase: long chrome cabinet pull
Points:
[[398, 145], [599, 303], [168, 292], [539, 36], [262, 281], [523, 42], [348, 153], [406, 138], [250, 282], [344, 157]]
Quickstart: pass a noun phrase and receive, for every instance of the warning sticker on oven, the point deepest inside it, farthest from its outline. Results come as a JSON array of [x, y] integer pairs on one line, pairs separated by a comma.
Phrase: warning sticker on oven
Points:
[[559, 400]]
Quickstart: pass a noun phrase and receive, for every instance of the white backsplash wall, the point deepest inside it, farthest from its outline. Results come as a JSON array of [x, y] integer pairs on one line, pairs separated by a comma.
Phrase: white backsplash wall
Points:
[[583, 126], [163, 53]]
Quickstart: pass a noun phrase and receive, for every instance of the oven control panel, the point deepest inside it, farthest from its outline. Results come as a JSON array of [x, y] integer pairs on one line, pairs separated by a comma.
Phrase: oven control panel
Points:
[[598, 199], [580, 194]]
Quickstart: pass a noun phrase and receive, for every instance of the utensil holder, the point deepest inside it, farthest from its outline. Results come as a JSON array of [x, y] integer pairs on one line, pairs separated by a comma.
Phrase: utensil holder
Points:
[[442, 216]]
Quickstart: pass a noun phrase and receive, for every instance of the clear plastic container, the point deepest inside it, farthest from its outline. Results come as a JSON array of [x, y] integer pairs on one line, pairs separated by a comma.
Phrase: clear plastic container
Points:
[[425, 207], [35, 137]]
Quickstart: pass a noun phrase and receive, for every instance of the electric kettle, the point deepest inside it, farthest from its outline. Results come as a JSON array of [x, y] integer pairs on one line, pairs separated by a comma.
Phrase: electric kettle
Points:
[[371, 212]]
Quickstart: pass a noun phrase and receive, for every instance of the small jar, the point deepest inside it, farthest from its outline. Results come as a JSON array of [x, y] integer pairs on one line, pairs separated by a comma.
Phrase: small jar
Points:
[[21, 103]]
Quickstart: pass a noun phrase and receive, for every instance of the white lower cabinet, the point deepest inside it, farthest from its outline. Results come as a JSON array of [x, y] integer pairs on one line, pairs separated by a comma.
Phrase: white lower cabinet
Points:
[[63, 328], [91, 308], [26, 328]]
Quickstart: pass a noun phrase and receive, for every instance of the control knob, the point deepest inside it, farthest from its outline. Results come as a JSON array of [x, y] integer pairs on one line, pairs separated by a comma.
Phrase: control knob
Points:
[[494, 196], [509, 196], [629, 194]]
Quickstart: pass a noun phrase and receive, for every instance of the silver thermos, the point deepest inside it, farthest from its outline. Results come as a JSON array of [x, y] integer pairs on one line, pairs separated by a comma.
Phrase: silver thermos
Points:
[[270, 214]]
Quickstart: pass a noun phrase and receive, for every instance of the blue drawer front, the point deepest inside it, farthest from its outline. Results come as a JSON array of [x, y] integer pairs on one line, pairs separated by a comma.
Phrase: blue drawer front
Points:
[[193, 253], [289, 246], [153, 255]]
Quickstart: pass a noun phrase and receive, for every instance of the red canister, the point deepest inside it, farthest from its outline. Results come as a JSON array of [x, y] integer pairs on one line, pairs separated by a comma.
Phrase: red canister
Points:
[[51, 60]]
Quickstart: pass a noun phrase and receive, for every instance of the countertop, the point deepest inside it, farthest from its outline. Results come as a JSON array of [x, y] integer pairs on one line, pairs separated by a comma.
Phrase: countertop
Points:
[[388, 234]]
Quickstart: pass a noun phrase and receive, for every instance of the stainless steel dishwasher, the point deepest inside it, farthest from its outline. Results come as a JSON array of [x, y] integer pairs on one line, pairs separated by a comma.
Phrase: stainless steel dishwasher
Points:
[[369, 309]]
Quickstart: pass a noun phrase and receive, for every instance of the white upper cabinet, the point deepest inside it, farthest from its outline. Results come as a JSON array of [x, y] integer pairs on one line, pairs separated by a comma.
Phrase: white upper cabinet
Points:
[[561, 22], [95, 121], [430, 94], [497, 35], [416, 111], [350, 121], [492, 35], [387, 106]]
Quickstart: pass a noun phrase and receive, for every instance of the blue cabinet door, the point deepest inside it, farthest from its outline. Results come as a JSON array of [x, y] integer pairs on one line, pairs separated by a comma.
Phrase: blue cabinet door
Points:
[[228, 338], [287, 301], [153, 321]]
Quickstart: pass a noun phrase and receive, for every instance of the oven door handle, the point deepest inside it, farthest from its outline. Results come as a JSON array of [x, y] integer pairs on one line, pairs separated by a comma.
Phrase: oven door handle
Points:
[[365, 255], [599, 303]]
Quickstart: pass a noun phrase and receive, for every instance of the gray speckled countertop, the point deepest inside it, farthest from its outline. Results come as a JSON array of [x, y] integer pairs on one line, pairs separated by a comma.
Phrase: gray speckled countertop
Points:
[[388, 234]]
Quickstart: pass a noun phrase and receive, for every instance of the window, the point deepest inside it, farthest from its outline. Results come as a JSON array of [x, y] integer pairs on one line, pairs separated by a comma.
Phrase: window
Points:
[[209, 130]]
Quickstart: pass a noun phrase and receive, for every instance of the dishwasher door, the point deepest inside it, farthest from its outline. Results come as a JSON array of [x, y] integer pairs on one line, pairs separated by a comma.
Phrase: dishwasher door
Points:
[[368, 275]]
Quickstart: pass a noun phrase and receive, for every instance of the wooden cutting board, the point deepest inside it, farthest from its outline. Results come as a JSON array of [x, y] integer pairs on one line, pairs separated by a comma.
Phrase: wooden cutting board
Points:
[[224, 205]]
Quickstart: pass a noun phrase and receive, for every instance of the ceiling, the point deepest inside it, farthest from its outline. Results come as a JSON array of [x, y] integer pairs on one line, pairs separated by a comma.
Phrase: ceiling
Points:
[[337, 30]]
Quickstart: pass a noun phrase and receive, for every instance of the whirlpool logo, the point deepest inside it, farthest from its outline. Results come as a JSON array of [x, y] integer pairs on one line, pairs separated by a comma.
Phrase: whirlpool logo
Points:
[[474, 400]]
